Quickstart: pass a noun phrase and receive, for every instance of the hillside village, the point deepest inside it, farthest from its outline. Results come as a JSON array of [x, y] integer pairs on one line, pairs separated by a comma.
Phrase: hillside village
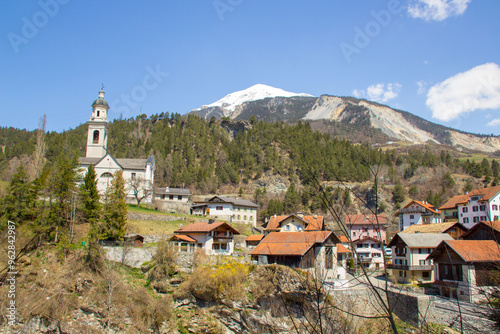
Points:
[[341, 241]]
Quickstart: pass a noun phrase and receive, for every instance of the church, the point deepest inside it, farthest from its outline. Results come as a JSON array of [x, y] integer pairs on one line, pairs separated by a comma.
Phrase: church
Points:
[[139, 172]]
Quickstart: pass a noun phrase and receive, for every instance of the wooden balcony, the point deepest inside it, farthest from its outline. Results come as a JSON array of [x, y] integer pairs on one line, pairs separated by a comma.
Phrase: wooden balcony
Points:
[[408, 267]]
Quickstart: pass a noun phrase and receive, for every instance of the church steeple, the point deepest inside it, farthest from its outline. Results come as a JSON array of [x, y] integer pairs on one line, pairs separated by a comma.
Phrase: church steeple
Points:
[[97, 136]]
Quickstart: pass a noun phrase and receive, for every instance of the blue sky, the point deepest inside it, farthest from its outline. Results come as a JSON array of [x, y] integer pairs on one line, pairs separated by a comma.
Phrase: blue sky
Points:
[[438, 59]]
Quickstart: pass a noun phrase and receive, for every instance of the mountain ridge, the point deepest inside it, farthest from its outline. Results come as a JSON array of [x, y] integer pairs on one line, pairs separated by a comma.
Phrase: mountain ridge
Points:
[[397, 124]]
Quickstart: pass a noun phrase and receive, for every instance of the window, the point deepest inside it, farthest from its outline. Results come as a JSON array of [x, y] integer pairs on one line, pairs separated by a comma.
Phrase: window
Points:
[[475, 219], [353, 234], [107, 174], [287, 227], [412, 216], [239, 217], [495, 218], [170, 197], [494, 207], [475, 208], [179, 197], [482, 207], [218, 208], [132, 176], [97, 113], [245, 217], [465, 209], [95, 139], [328, 258], [299, 227], [424, 262], [426, 274], [466, 220]]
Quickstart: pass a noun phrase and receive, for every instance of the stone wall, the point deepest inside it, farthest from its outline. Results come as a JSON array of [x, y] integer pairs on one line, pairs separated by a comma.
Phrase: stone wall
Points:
[[417, 310]]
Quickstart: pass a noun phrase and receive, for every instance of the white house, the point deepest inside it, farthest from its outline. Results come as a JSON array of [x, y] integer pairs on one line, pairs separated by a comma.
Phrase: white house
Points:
[[169, 194], [314, 251], [215, 238], [135, 171], [478, 205], [418, 213], [370, 253], [409, 255], [227, 208]]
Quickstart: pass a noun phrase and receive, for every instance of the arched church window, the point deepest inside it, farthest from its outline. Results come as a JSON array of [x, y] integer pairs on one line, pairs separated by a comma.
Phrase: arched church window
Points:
[[97, 113], [106, 174], [96, 137]]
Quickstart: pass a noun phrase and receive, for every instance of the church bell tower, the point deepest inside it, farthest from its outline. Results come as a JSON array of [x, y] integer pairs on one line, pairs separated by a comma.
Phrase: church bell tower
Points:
[[97, 136]]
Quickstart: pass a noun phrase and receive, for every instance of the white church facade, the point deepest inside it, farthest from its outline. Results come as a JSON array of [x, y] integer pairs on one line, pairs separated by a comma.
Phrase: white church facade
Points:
[[137, 171]]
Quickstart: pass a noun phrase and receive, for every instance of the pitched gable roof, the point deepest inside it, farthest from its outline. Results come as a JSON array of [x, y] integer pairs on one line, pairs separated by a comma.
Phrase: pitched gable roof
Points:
[[494, 225], [470, 250], [313, 223], [425, 205], [205, 227], [182, 238], [365, 220], [292, 243], [255, 237], [485, 193], [234, 201], [342, 249], [420, 240], [343, 239], [433, 228]]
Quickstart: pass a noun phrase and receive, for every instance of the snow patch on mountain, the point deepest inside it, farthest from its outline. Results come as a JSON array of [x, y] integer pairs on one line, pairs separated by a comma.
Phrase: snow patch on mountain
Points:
[[256, 92]]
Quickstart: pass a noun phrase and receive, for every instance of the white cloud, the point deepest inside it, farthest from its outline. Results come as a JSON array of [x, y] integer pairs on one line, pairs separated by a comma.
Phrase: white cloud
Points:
[[421, 87], [494, 122], [475, 89], [379, 92], [436, 10]]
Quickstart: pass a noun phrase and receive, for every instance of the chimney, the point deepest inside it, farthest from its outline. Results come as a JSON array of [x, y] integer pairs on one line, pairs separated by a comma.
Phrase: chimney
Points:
[[315, 216], [211, 221], [274, 215]]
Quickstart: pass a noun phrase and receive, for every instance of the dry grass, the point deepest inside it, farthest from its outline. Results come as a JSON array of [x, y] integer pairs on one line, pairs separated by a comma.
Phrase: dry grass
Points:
[[150, 227]]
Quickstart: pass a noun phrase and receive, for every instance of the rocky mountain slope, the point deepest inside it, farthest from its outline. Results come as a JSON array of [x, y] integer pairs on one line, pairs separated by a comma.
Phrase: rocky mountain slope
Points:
[[271, 104]]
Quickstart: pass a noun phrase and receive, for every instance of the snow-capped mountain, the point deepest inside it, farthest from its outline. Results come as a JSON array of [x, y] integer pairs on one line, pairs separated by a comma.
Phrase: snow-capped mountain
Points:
[[272, 104], [256, 92]]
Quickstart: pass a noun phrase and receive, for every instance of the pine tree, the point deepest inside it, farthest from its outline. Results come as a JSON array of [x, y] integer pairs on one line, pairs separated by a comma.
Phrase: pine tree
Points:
[[18, 205], [291, 203], [91, 209], [115, 210], [398, 194]]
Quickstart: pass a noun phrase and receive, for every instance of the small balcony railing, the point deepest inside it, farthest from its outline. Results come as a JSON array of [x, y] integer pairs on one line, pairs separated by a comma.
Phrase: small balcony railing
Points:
[[408, 267]]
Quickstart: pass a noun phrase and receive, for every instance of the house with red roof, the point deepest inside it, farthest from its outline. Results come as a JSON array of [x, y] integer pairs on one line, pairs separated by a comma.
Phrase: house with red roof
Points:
[[465, 269], [215, 238], [314, 251], [295, 223], [418, 213], [469, 209], [368, 235]]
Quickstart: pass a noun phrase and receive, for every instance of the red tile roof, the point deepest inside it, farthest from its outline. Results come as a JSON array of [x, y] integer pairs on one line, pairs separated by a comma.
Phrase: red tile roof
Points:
[[183, 238], [472, 250], [364, 220], [425, 205], [313, 223], [486, 193], [291, 243], [205, 227], [255, 237], [342, 249], [343, 239]]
